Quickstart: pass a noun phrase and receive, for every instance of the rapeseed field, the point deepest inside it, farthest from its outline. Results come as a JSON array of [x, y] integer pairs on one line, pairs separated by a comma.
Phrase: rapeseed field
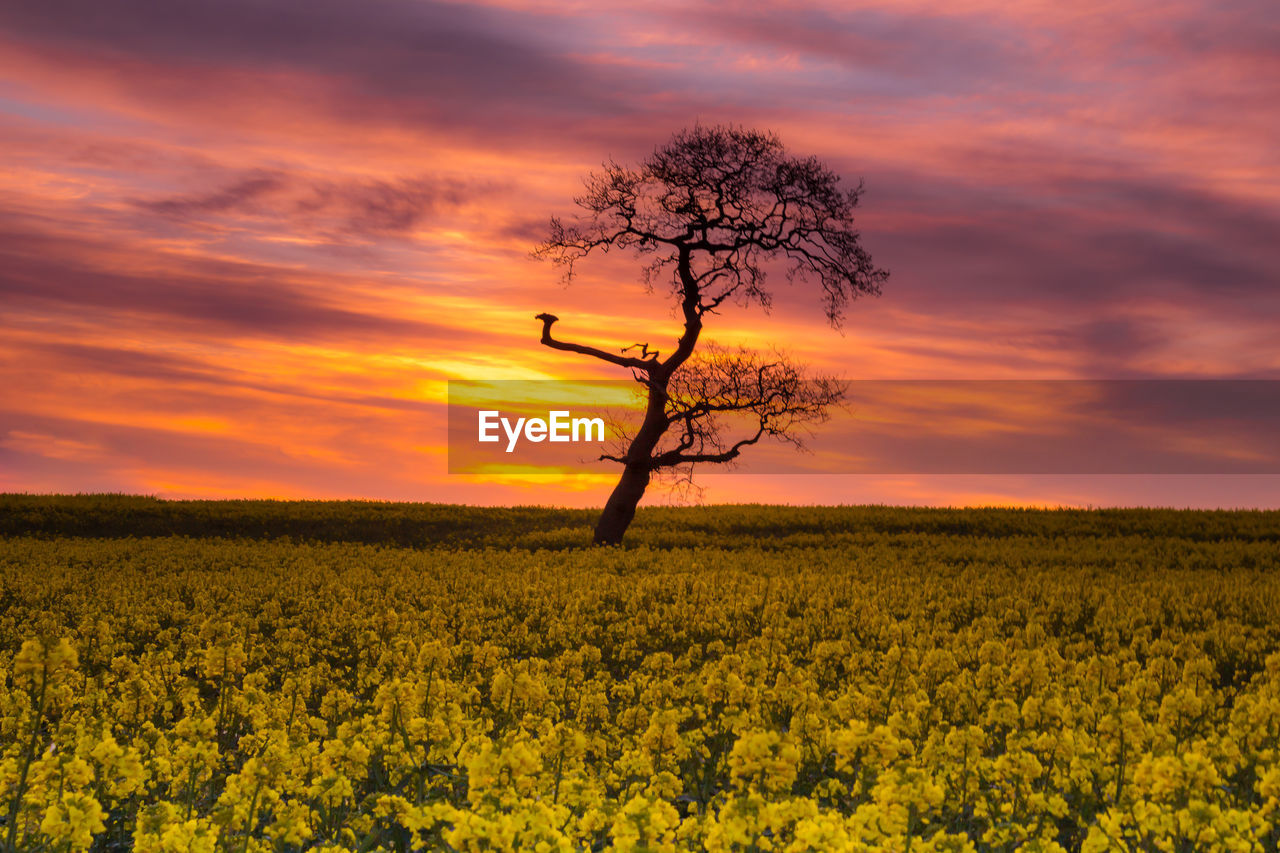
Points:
[[279, 677]]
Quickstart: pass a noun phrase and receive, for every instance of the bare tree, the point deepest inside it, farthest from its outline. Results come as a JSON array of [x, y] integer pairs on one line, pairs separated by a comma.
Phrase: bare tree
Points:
[[710, 209]]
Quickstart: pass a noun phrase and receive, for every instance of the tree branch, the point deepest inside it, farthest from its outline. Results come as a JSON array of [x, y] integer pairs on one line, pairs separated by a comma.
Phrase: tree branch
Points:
[[675, 457], [645, 364]]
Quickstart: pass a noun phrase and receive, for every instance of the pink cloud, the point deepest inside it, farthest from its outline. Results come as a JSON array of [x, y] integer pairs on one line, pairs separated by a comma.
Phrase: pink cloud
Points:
[[247, 242]]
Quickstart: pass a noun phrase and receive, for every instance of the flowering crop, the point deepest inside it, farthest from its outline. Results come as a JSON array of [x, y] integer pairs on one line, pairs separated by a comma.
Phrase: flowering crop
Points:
[[922, 690]]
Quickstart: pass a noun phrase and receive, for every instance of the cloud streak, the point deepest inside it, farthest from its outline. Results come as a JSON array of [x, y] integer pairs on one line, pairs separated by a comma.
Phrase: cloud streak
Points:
[[350, 208], [282, 225]]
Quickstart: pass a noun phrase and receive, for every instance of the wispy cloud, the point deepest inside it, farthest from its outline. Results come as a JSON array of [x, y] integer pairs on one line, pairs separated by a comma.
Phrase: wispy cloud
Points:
[[250, 239]]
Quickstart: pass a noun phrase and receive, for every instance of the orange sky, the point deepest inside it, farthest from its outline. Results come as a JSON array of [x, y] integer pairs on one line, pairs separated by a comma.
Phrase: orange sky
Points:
[[244, 244]]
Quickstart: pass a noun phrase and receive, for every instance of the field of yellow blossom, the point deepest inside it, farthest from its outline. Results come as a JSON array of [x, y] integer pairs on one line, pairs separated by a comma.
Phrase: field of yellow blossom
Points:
[[259, 676]]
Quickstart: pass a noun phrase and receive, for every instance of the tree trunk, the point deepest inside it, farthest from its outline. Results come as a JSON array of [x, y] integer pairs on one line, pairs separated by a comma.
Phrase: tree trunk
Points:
[[621, 506]]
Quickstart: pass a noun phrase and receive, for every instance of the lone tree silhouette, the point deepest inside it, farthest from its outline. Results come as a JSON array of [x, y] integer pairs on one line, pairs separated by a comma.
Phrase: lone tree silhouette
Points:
[[711, 208]]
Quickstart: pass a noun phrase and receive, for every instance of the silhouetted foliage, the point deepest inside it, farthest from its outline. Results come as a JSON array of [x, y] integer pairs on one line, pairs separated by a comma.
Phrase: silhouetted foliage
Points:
[[1174, 537]]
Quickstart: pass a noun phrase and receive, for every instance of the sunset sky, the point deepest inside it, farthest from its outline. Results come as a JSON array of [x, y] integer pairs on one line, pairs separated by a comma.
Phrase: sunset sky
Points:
[[244, 244]]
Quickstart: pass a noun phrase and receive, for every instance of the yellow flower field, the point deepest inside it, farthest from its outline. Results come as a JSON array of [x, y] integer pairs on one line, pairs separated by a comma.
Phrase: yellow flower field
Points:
[[873, 682]]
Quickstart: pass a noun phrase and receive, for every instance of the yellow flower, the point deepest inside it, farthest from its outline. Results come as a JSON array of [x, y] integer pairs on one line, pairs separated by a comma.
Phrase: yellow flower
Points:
[[73, 821]]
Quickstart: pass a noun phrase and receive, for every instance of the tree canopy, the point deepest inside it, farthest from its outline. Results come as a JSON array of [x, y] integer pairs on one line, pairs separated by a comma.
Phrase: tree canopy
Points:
[[722, 201]]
